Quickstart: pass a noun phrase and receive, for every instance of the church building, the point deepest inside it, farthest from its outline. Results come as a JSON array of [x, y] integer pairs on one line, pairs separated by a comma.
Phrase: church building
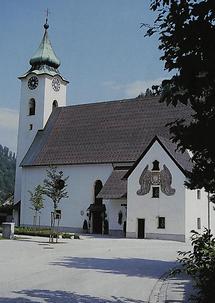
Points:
[[125, 176]]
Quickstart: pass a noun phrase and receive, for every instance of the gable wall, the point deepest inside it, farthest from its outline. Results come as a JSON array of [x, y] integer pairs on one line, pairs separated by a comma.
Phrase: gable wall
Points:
[[80, 190], [144, 206]]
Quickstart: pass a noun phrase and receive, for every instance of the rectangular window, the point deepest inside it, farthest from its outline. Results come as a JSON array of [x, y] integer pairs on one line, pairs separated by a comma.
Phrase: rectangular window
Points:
[[198, 223], [30, 126], [161, 222], [198, 194], [155, 192]]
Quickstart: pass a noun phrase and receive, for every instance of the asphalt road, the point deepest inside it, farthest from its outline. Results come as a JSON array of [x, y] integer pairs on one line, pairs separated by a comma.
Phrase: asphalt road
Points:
[[90, 270]]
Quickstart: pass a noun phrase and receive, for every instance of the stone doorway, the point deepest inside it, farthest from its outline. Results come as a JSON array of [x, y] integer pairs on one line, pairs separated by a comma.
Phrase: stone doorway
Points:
[[97, 210]]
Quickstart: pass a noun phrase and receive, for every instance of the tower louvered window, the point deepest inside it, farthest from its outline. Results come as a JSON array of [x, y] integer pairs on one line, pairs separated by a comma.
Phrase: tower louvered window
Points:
[[32, 107]]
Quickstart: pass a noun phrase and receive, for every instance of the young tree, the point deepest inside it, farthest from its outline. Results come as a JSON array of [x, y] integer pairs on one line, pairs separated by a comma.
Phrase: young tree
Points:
[[186, 31], [36, 199], [55, 188]]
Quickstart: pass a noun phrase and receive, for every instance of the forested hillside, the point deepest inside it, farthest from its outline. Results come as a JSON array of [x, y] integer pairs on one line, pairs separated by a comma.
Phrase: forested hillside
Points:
[[7, 172]]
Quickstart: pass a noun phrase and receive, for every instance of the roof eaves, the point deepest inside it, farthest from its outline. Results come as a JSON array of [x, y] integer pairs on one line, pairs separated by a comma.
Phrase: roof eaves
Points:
[[43, 72]]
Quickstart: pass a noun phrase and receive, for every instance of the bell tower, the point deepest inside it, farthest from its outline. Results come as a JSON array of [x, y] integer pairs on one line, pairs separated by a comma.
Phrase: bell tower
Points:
[[42, 90]]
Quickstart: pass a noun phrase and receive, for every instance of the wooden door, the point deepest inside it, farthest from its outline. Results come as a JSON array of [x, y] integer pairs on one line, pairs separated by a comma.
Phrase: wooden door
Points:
[[141, 229]]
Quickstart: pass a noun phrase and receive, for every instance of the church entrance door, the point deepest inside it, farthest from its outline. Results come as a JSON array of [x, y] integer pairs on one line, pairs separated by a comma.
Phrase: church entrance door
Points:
[[98, 209], [97, 222]]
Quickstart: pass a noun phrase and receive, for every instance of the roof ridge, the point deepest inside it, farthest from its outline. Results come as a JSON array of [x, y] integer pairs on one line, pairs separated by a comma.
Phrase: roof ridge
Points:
[[114, 101]]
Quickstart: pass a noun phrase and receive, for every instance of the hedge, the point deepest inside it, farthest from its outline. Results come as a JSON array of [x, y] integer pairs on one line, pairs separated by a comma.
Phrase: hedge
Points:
[[41, 232]]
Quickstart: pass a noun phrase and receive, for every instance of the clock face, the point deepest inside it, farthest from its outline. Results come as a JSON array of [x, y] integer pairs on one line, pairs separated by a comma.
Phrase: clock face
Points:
[[33, 82], [56, 84]]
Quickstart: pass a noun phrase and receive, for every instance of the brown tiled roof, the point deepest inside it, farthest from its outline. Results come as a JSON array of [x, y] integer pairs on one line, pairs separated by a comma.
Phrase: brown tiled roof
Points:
[[105, 132], [115, 186], [183, 159]]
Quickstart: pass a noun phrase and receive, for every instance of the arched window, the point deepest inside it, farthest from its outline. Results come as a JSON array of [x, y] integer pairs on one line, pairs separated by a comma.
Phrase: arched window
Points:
[[54, 104], [32, 107], [97, 188], [155, 165]]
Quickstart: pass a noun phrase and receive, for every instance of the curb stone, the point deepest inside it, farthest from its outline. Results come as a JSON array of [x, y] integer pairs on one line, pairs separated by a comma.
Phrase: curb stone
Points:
[[169, 289], [158, 293]]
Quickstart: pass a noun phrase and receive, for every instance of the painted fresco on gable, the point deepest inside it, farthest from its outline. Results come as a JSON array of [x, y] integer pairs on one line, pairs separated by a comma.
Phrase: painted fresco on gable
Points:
[[162, 178]]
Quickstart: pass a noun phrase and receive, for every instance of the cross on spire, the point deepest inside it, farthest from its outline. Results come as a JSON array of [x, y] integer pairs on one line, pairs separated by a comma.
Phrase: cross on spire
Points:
[[46, 26]]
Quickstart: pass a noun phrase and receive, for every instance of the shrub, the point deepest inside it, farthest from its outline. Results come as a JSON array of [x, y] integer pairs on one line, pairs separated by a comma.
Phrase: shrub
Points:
[[31, 231], [70, 236], [200, 265], [66, 236], [42, 232]]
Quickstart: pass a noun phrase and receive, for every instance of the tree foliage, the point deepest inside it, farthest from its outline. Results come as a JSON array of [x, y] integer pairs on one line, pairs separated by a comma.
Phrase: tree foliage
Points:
[[55, 186], [186, 31], [155, 90], [7, 173], [36, 199], [200, 265]]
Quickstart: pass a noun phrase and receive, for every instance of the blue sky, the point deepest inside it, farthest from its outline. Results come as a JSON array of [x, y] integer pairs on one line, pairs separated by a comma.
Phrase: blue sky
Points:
[[102, 49]]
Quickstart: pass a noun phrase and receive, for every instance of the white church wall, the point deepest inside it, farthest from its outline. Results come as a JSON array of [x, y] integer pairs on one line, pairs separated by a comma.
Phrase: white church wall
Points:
[[80, 190], [197, 210], [25, 134], [52, 95], [44, 96], [212, 217], [113, 207], [148, 208]]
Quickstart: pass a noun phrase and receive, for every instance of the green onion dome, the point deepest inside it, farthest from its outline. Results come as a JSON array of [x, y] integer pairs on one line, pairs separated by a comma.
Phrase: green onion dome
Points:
[[45, 54]]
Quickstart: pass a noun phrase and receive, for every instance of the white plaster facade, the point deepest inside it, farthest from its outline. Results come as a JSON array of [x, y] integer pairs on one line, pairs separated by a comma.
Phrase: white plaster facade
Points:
[[198, 208], [44, 97], [80, 191], [180, 210]]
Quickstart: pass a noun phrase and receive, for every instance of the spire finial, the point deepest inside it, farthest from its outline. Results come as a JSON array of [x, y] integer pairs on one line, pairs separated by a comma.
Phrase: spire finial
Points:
[[46, 26]]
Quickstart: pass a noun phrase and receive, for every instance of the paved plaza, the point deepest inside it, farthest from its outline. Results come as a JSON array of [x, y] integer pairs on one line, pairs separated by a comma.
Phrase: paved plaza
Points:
[[89, 270]]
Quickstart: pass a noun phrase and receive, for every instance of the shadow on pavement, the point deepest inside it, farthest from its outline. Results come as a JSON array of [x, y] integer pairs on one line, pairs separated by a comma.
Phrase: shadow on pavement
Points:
[[59, 296], [121, 266], [179, 290]]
